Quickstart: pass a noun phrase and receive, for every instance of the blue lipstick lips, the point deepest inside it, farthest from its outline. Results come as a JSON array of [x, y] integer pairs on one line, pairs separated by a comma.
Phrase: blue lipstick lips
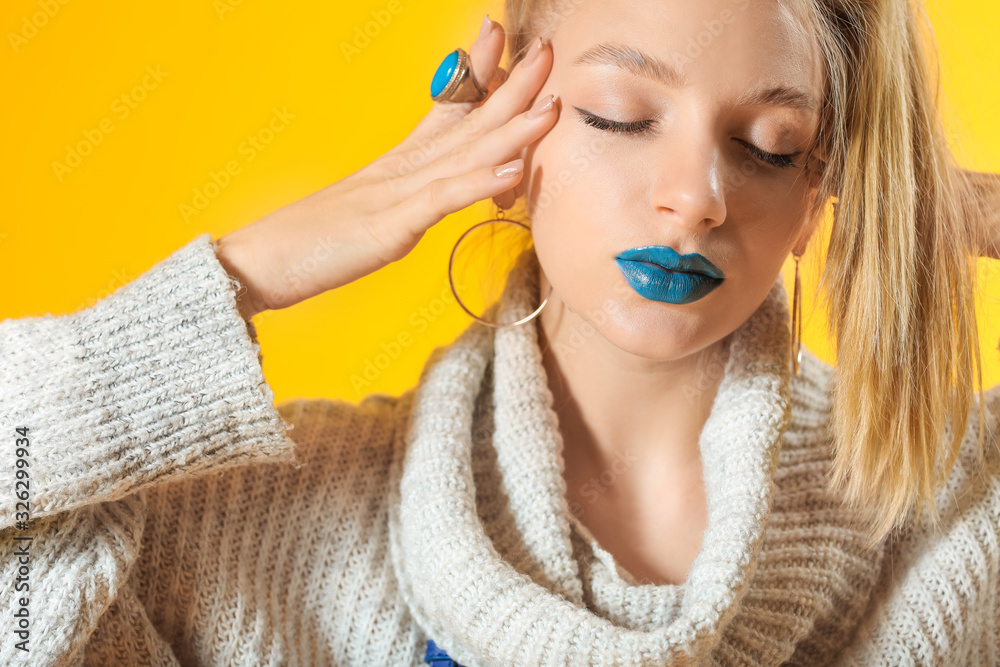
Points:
[[659, 273]]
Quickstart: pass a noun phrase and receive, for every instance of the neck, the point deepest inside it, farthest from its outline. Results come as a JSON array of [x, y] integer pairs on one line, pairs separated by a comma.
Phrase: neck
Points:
[[616, 407]]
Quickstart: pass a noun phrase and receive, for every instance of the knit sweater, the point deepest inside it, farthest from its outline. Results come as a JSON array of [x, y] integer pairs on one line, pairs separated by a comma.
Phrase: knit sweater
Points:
[[177, 516]]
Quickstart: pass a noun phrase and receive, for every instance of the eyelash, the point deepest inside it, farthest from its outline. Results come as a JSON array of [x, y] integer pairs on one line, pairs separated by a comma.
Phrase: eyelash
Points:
[[641, 126]]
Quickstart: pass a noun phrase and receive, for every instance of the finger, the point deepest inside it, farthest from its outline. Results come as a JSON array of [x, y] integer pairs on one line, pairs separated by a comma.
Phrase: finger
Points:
[[444, 196], [484, 56], [492, 148], [519, 90], [513, 97]]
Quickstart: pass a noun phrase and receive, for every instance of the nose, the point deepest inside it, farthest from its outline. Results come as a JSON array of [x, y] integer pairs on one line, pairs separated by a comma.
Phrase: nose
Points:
[[688, 189]]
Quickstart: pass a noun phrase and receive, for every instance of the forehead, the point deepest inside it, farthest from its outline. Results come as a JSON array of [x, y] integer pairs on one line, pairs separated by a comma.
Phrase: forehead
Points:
[[727, 44]]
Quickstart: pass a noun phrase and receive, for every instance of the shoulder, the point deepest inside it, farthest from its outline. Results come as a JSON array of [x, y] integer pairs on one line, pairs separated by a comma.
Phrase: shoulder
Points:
[[973, 484], [937, 598]]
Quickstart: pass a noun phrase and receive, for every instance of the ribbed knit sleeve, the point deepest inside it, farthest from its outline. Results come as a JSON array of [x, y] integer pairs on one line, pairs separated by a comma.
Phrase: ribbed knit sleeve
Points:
[[161, 380], [156, 381]]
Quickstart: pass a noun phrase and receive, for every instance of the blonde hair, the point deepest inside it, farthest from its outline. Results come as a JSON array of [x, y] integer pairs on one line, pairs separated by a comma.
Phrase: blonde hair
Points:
[[899, 281]]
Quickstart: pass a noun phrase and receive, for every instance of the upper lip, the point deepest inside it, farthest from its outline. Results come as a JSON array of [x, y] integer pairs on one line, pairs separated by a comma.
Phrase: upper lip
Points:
[[669, 258]]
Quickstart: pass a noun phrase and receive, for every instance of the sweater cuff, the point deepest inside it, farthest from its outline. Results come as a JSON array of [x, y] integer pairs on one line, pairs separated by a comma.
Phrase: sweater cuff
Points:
[[158, 381]]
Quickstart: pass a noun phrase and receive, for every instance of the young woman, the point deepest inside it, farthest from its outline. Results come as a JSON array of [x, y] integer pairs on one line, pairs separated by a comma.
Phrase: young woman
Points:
[[645, 470]]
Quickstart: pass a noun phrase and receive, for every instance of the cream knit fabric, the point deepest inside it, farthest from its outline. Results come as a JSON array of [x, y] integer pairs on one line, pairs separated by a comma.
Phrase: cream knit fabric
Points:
[[178, 517]]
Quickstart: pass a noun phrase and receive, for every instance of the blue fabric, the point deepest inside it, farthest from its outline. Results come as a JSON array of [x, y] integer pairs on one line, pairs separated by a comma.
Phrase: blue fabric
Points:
[[437, 657]]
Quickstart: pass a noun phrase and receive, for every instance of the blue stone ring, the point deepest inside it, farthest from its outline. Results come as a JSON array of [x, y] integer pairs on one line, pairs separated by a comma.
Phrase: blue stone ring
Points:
[[453, 81]]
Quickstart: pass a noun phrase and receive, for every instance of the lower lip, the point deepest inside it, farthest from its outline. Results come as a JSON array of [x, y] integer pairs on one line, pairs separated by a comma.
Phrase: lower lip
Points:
[[658, 284]]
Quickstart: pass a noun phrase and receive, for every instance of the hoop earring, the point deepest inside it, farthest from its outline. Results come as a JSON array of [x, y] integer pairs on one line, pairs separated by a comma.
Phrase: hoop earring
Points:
[[796, 319], [451, 262]]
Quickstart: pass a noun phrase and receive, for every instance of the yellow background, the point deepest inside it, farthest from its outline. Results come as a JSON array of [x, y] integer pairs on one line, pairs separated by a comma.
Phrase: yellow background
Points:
[[69, 239]]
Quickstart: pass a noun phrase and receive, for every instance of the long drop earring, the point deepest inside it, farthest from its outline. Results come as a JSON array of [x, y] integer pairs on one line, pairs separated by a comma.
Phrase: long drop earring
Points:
[[797, 319]]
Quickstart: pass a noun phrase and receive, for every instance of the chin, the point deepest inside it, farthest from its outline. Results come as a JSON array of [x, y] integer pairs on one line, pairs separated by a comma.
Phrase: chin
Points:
[[666, 333]]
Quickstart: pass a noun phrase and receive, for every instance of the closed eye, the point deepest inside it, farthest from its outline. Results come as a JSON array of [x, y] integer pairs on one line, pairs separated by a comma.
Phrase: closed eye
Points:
[[783, 161], [637, 127], [634, 127]]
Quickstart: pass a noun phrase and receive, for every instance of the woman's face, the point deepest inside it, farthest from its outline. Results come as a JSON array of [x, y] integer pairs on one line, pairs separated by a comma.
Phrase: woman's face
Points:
[[716, 89]]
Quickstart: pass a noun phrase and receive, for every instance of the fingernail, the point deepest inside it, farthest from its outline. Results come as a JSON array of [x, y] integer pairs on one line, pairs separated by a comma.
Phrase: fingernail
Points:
[[533, 52], [542, 106], [510, 169], [485, 29]]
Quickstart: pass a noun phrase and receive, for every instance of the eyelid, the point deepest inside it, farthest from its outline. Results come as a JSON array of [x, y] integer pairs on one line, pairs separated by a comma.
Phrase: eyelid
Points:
[[778, 157], [637, 126], [779, 160]]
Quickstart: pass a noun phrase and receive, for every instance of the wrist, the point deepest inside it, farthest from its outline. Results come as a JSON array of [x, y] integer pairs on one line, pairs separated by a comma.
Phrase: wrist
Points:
[[239, 265]]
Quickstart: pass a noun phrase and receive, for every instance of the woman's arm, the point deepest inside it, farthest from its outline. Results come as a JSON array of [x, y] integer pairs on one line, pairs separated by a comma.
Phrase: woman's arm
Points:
[[160, 381], [156, 382]]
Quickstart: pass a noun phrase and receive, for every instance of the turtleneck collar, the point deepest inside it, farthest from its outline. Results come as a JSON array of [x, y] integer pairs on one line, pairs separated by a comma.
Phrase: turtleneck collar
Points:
[[480, 530]]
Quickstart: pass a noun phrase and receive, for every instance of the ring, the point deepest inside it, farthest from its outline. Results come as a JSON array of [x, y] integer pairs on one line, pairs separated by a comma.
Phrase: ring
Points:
[[453, 81]]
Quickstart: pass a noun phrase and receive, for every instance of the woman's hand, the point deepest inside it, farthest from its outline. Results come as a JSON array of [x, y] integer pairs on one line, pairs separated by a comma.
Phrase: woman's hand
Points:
[[377, 214], [984, 213]]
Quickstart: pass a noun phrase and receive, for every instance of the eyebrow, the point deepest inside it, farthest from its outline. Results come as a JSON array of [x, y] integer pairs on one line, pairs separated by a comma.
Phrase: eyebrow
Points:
[[646, 65]]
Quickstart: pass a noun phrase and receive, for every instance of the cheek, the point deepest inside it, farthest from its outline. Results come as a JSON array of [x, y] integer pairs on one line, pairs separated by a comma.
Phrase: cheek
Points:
[[761, 242], [581, 186], [767, 210], [584, 188], [576, 215], [566, 235], [568, 178]]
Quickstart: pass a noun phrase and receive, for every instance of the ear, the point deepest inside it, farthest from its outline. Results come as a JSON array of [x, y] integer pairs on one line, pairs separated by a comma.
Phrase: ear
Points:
[[815, 212], [806, 234], [814, 168], [506, 200]]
